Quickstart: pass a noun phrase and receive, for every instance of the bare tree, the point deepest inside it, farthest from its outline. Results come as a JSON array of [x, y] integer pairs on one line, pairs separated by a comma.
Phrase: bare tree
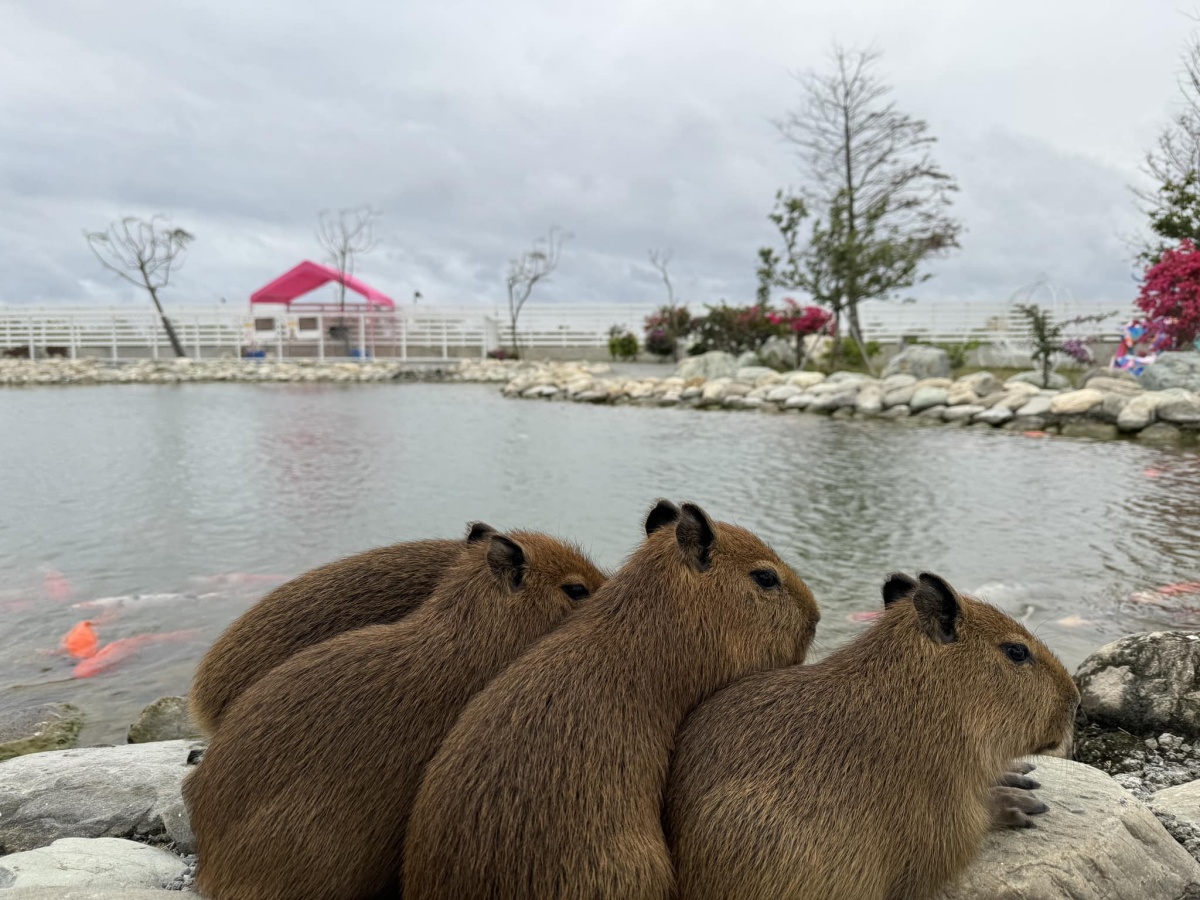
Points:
[[143, 253], [1176, 153], [872, 181], [659, 260], [527, 270], [344, 235]]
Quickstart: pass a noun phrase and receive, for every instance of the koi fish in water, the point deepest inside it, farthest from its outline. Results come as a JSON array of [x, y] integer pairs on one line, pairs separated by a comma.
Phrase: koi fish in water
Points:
[[121, 649]]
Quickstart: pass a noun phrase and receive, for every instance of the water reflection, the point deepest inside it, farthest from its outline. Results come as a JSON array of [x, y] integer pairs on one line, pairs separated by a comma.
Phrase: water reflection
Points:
[[151, 490]]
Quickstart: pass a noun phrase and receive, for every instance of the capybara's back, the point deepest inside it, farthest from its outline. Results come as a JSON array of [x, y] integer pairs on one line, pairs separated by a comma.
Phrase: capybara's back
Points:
[[306, 788], [550, 784], [870, 774], [373, 588]]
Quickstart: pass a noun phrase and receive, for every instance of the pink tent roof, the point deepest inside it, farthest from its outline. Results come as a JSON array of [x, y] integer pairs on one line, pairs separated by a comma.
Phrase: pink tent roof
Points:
[[308, 276]]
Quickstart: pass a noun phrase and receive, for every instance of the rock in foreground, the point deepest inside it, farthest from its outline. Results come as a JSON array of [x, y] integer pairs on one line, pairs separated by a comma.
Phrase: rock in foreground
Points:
[[1144, 683], [1097, 842], [111, 864], [54, 726], [128, 791]]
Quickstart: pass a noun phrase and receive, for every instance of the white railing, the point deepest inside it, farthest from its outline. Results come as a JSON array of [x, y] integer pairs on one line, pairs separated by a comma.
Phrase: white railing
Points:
[[424, 334]]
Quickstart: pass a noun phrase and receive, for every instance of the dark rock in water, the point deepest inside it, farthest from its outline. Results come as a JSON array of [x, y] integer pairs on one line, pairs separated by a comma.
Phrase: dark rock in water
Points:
[[1099, 431], [130, 791], [54, 726], [1146, 684], [166, 719], [1180, 369]]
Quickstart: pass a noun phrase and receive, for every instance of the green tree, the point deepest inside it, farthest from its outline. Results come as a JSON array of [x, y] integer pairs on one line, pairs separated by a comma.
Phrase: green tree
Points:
[[1174, 216], [880, 203]]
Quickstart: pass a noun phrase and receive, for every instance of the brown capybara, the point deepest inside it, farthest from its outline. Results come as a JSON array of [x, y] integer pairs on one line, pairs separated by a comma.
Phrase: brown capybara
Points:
[[869, 775], [372, 588], [550, 784], [306, 787]]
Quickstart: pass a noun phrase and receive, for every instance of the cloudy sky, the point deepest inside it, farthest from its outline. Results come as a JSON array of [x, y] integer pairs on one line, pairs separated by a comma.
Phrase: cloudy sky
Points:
[[474, 125]]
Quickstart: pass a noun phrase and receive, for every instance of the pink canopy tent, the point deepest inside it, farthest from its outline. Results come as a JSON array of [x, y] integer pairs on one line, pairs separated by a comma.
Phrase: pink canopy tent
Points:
[[308, 276]]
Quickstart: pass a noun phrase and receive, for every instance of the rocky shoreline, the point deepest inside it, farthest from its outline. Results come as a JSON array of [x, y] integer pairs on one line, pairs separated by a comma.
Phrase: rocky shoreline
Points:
[[1123, 820], [1106, 405], [24, 373]]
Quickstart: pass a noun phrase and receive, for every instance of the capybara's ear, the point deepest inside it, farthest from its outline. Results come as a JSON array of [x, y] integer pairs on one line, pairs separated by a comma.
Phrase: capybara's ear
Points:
[[897, 587], [507, 561], [664, 513], [938, 609], [696, 535], [477, 531]]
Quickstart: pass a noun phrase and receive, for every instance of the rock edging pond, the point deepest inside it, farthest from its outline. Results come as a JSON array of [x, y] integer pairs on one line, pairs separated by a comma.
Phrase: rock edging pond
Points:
[[26, 373], [1109, 404]]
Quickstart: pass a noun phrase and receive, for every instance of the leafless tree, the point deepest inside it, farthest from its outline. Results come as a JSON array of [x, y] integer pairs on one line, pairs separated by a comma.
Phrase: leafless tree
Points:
[[1176, 152], [659, 260], [344, 235], [872, 178], [143, 253], [527, 270]]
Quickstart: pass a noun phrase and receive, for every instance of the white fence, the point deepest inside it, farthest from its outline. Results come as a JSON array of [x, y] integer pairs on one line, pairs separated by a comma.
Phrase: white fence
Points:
[[431, 334]]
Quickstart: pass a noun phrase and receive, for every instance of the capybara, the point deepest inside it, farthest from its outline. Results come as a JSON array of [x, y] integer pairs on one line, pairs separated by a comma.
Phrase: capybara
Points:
[[306, 787], [870, 775], [372, 588], [550, 785]]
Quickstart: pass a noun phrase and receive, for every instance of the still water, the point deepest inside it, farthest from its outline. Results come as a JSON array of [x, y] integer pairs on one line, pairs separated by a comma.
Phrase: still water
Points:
[[166, 510]]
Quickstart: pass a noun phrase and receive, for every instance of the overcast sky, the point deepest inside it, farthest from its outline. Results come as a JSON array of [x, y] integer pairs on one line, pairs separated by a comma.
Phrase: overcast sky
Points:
[[474, 125]]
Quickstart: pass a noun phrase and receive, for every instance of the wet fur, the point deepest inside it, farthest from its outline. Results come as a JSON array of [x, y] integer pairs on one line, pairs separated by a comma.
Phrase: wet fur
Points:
[[372, 588], [869, 775], [305, 790], [550, 785]]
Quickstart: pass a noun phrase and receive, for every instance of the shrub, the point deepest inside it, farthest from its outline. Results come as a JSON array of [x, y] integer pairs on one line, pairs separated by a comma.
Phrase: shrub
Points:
[[621, 343], [735, 329], [500, 353], [1048, 341], [1170, 296], [665, 327]]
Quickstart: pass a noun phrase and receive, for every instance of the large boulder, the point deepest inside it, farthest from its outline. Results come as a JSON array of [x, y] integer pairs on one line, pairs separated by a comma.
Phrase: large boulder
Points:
[[166, 719], [778, 353], [1035, 404], [1144, 683], [869, 401], [1180, 369], [982, 383], [1096, 842], [1075, 403], [1183, 408], [754, 374], [1034, 377], [53, 726], [1141, 410], [710, 365], [1107, 384], [919, 361], [108, 864], [927, 397], [804, 379], [128, 791]]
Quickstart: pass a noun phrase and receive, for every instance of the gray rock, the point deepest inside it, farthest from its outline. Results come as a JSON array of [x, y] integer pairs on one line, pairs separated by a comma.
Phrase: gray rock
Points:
[[1144, 683], [982, 383], [733, 389], [843, 412], [54, 726], [1096, 842], [1075, 403], [804, 379], [1160, 433], [1181, 801], [1037, 405], [920, 362], [1018, 394], [900, 396], [1109, 373], [1112, 406], [710, 365], [781, 392], [1114, 385], [1179, 369], [927, 397], [1098, 431], [1140, 411], [848, 378], [961, 395], [932, 413], [166, 719], [82, 864], [900, 411], [892, 382], [747, 359], [800, 401], [996, 415], [869, 401], [828, 402], [1034, 377], [751, 374], [127, 791], [1182, 409], [962, 413], [778, 353], [1025, 423]]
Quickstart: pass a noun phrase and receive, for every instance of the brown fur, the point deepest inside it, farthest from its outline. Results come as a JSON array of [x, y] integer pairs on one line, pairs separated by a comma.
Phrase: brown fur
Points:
[[868, 775], [372, 588], [306, 788], [550, 785]]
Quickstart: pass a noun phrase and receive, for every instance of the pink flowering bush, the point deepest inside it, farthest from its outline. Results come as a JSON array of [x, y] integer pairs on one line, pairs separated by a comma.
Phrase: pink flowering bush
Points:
[[800, 320], [1170, 295]]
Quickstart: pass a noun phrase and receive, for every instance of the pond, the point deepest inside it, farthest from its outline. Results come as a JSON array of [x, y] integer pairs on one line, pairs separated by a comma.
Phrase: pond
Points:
[[161, 512]]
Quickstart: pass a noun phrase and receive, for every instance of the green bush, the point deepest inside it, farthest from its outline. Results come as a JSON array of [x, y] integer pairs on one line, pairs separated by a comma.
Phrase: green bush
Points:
[[622, 344], [735, 329]]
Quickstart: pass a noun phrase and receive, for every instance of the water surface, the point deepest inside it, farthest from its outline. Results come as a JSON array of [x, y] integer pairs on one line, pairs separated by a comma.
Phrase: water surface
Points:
[[202, 496]]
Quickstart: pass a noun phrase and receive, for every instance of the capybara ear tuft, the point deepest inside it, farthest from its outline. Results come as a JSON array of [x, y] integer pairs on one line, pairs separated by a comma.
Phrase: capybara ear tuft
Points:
[[507, 561], [696, 535], [897, 587], [477, 531], [664, 513], [938, 608]]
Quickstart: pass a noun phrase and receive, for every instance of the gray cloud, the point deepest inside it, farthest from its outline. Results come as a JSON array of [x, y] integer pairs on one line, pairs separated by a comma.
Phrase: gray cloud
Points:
[[474, 126]]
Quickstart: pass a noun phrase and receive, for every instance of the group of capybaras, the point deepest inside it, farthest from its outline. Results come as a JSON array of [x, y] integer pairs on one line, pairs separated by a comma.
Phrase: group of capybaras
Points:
[[494, 717]]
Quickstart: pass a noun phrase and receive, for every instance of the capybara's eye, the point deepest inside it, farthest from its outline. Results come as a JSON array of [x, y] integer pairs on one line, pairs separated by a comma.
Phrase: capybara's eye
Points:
[[575, 591], [1018, 653], [766, 578]]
